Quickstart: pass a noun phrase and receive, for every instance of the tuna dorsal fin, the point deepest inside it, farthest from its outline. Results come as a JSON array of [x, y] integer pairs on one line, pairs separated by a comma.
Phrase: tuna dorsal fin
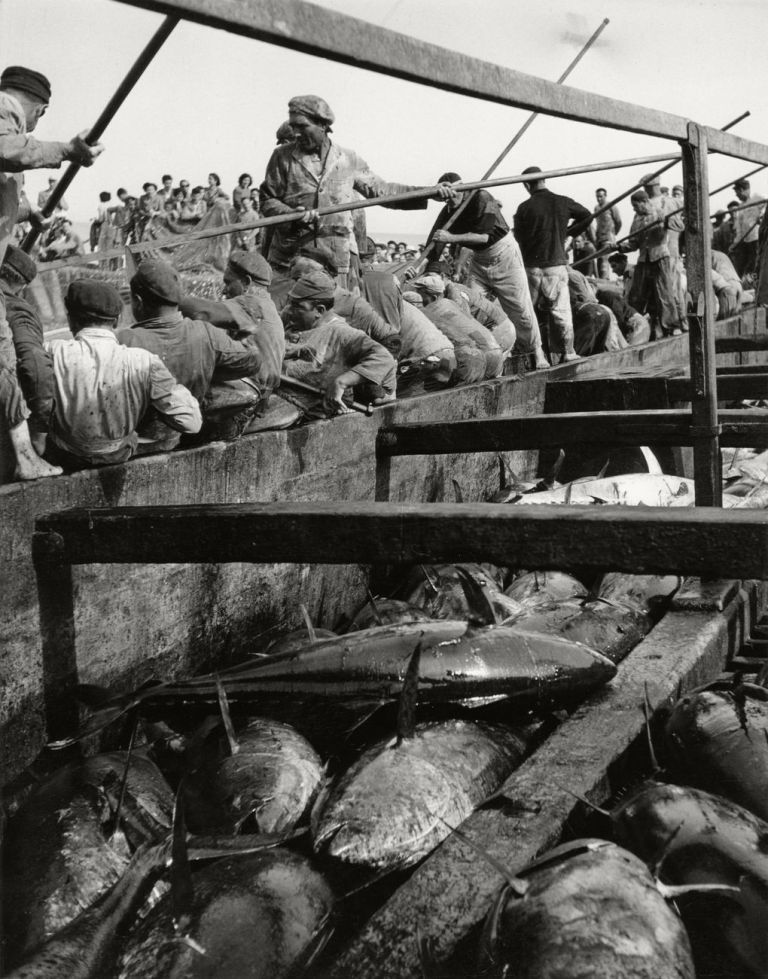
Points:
[[375, 608], [457, 491], [409, 698], [124, 780], [226, 717], [308, 624], [647, 709], [604, 470], [428, 578], [550, 480], [182, 888], [478, 598]]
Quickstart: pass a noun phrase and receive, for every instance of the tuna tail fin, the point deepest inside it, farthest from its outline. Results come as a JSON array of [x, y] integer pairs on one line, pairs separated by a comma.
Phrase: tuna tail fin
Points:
[[308, 624], [374, 607], [478, 598], [182, 888], [409, 698], [226, 717], [457, 491]]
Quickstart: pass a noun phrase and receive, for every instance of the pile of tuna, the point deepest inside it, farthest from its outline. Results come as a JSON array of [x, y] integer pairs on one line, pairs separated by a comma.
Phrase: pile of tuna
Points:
[[246, 810]]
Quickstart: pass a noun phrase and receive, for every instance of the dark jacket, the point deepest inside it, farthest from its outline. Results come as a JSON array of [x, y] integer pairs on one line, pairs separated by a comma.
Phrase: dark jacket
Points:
[[542, 224], [34, 366]]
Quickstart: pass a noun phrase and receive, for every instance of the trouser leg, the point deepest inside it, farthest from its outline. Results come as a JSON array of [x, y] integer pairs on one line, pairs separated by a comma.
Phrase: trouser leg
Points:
[[665, 283], [507, 280], [561, 336]]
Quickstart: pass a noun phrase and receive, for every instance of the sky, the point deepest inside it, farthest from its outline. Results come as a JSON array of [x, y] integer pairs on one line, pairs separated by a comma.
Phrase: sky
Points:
[[211, 101]]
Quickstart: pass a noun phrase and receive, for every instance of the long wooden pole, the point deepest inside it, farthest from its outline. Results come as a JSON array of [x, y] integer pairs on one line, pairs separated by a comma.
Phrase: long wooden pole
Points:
[[454, 216], [108, 113]]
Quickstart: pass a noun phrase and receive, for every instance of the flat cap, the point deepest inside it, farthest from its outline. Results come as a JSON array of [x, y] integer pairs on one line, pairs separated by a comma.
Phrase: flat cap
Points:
[[158, 279], [26, 80], [313, 285], [741, 184], [678, 187], [285, 133], [449, 178], [639, 195], [252, 264], [323, 256], [312, 106], [430, 283], [20, 263], [532, 170], [650, 179], [92, 300]]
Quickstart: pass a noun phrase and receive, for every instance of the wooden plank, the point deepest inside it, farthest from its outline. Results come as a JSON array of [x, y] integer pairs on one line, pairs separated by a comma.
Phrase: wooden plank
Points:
[[708, 542], [737, 345], [449, 894], [662, 427], [731, 386], [742, 369]]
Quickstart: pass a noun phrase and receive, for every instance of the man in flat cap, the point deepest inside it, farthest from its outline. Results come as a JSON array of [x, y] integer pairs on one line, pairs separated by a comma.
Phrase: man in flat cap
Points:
[[24, 97], [247, 314], [312, 172], [194, 351], [103, 389], [746, 228], [542, 223], [330, 355], [42, 197], [33, 363]]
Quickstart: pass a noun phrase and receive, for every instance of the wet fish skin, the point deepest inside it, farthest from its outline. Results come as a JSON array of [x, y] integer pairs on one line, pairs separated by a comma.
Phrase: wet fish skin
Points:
[[272, 781], [390, 611], [57, 858], [292, 641], [590, 915], [251, 916], [437, 589], [643, 593], [718, 741], [391, 807], [631, 489], [545, 587], [88, 946]]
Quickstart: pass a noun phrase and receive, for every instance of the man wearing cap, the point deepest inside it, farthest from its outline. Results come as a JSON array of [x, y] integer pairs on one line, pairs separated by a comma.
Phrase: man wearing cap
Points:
[[497, 265], [248, 314], [194, 351], [330, 355], [476, 304], [722, 231], [746, 228], [607, 228], [542, 223], [312, 172], [33, 363], [478, 356], [24, 97], [655, 286], [42, 197], [104, 389]]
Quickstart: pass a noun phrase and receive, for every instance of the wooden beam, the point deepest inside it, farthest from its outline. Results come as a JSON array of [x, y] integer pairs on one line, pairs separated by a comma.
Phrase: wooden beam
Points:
[[708, 542], [738, 345], [732, 385], [326, 34], [664, 427]]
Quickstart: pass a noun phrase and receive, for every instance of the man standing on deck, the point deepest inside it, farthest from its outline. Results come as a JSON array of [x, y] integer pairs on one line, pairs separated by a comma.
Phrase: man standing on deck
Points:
[[497, 265], [311, 173], [746, 229], [542, 224], [24, 98], [607, 228]]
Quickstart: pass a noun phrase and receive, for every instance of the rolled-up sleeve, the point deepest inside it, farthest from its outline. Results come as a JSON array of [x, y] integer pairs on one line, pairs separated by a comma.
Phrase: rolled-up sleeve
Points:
[[177, 405]]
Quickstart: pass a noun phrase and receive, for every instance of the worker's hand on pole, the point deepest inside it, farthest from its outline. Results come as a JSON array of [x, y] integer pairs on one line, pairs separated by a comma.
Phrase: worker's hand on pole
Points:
[[445, 237], [444, 192], [308, 217], [82, 153], [334, 397], [39, 220]]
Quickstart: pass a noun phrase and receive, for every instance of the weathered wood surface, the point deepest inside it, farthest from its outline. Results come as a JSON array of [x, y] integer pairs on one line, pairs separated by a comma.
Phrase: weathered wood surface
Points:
[[732, 385], [702, 541], [731, 345], [337, 37], [450, 893], [664, 427]]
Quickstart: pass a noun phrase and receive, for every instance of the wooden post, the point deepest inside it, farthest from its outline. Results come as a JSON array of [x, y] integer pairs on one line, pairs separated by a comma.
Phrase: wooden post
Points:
[[704, 421]]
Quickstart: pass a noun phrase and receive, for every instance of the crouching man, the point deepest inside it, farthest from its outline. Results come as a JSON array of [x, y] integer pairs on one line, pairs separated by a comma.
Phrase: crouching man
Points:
[[330, 356], [102, 389]]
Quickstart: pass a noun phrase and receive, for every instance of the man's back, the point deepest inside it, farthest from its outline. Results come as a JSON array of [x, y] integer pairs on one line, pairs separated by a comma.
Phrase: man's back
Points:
[[541, 227]]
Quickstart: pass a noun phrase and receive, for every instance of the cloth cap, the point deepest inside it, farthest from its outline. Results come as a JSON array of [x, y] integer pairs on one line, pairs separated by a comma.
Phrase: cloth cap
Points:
[[322, 256], [678, 187], [430, 283], [159, 279], [720, 213], [449, 178], [26, 80], [649, 180], [413, 298], [313, 285], [312, 106], [20, 263], [741, 184], [89, 299], [252, 264], [639, 195], [532, 170], [285, 133]]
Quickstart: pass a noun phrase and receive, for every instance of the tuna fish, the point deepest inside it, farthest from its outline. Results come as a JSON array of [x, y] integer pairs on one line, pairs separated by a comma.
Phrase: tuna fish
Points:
[[399, 800], [590, 910], [632, 489], [87, 948], [693, 837], [441, 590], [248, 917], [387, 611], [545, 588], [60, 851], [718, 741], [270, 781]]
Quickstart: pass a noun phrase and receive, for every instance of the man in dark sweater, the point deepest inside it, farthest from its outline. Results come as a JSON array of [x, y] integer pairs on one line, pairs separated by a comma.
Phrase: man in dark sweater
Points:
[[542, 224]]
